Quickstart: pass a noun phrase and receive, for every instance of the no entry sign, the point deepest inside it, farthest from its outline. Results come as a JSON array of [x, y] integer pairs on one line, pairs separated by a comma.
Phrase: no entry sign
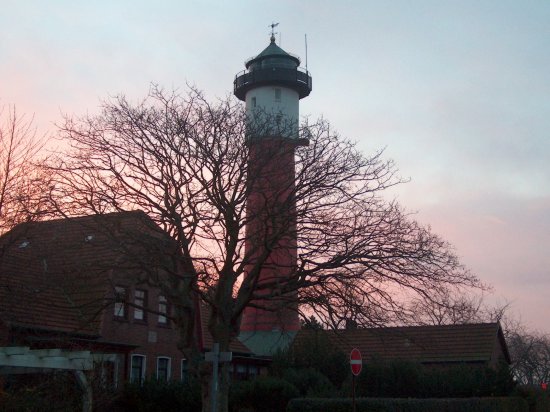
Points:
[[355, 361]]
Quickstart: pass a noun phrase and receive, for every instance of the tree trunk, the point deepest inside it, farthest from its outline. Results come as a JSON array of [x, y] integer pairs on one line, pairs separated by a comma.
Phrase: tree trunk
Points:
[[222, 404]]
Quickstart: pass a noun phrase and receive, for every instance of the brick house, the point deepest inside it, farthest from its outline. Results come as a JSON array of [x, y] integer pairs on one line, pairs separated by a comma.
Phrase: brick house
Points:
[[80, 284]]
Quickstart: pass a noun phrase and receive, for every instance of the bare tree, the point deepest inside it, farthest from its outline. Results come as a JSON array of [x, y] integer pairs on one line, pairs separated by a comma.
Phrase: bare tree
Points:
[[529, 350], [185, 162], [23, 183], [530, 353], [451, 307]]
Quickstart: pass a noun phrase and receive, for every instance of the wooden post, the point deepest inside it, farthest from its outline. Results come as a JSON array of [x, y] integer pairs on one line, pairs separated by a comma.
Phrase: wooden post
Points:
[[216, 357], [87, 396]]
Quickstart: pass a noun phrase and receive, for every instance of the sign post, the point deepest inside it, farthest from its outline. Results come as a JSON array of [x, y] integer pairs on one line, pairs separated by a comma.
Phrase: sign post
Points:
[[356, 363], [216, 357]]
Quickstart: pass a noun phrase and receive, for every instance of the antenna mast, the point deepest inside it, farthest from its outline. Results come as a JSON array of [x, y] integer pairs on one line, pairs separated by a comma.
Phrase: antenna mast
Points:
[[305, 36]]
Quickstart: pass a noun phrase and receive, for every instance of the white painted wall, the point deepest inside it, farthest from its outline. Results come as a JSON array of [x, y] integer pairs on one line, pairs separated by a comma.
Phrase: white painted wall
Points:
[[267, 103]]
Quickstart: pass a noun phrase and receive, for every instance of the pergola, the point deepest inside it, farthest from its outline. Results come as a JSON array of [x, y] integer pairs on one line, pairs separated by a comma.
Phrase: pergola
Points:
[[22, 359]]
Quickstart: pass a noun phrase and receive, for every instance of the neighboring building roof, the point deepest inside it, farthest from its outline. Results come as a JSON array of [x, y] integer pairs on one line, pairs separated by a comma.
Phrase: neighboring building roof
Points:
[[267, 343], [56, 274], [235, 346], [426, 344]]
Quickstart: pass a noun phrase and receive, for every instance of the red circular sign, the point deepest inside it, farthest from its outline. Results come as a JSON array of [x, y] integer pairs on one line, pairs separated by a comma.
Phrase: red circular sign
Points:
[[355, 361]]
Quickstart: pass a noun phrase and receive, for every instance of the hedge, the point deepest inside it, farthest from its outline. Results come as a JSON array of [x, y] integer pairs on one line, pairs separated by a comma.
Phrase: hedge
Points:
[[155, 396], [265, 394], [410, 405]]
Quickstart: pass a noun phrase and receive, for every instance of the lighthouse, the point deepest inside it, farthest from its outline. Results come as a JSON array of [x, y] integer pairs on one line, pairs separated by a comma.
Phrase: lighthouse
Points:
[[271, 87]]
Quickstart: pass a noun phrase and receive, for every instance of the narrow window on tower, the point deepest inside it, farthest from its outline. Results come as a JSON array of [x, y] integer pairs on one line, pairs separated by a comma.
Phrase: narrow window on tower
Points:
[[278, 95], [253, 102]]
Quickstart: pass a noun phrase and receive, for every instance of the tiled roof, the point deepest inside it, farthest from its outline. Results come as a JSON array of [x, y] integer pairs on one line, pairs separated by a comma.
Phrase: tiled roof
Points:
[[56, 274], [442, 343], [235, 346]]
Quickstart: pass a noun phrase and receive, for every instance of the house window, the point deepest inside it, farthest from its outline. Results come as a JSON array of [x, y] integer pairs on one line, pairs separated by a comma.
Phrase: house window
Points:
[[240, 372], [107, 373], [278, 94], [121, 302], [252, 371], [140, 300], [137, 373], [163, 310], [163, 368], [184, 370]]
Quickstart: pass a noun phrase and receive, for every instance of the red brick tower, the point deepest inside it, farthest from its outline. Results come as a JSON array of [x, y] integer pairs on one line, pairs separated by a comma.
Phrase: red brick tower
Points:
[[272, 86]]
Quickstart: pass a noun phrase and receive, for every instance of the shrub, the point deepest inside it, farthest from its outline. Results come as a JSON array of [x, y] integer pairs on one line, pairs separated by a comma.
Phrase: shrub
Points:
[[154, 396], [410, 405], [264, 394], [538, 400], [401, 379], [310, 383], [55, 392], [314, 352]]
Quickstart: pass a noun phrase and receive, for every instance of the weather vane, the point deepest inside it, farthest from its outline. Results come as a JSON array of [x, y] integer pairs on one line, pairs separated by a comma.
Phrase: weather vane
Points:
[[273, 25]]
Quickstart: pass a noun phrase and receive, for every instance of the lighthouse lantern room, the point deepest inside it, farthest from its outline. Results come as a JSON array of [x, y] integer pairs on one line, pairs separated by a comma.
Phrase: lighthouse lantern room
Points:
[[272, 85]]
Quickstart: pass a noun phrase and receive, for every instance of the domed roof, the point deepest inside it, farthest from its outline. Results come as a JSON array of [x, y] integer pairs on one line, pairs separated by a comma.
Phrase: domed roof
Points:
[[273, 51], [273, 66]]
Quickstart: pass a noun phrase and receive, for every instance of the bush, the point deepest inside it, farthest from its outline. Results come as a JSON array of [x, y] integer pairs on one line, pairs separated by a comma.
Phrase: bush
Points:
[[154, 396], [410, 405], [314, 352], [264, 394], [55, 392], [537, 399], [310, 383], [401, 379]]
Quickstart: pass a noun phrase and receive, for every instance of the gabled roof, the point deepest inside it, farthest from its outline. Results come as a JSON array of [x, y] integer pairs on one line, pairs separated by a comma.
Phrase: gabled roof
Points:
[[426, 344], [56, 274]]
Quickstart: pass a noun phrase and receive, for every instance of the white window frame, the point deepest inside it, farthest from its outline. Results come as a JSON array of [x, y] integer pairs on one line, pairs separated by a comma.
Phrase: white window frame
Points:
[[143, 369], [120, 308], [141, 301], [168, 367], [101, 358], [163, 309]]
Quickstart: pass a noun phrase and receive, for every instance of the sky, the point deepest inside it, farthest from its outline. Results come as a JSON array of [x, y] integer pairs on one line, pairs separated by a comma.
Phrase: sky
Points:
[[457, 93]]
